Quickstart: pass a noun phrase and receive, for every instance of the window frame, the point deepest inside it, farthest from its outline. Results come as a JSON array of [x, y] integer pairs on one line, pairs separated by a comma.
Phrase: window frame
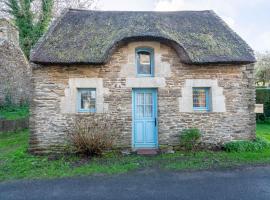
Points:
[[152, 60], [79, 96], [207, 99]]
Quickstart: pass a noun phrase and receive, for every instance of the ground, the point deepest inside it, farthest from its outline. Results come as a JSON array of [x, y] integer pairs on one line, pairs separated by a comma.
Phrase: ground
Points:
[[248, 183], [263, 130], [17, 163]]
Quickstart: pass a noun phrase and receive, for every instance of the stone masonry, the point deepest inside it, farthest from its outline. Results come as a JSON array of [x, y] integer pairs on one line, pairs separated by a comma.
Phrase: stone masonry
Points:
[[54, 90], [15, 72]]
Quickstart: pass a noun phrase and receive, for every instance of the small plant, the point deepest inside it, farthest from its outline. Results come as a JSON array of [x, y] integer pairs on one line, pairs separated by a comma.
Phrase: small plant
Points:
[[12, 112], [259, 144], [189, 138], [92, 136]]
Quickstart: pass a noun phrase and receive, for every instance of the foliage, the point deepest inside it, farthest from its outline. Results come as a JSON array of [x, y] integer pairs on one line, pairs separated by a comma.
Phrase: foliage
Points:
[[263, 97], [12, 112], [262, 68], [17, 163], [90, 137], [189, 138], [259, 144], [31, 24]]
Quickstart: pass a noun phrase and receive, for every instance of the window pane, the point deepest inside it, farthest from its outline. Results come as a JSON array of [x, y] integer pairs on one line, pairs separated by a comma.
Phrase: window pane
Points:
[[92, 105], [148, 111], [199, 97], [93, 94], [139, 111], [144, 69], [140, 100], [148, 98], [144, 62], [144, 58], [88, 99]]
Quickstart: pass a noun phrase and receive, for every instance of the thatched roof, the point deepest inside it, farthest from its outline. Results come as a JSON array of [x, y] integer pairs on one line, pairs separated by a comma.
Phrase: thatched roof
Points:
[[81, 36]]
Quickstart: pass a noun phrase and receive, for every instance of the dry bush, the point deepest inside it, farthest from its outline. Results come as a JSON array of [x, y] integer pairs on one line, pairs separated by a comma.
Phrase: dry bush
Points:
[[93, 135]]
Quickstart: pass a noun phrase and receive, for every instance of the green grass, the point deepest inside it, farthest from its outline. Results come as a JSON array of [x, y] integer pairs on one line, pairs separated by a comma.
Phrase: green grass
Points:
[[263, 130], [16, 163], [14, 112], [207, 160]]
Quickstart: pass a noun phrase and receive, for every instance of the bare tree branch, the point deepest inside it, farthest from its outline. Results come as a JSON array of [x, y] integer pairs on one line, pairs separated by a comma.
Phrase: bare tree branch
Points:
[[59, 6]]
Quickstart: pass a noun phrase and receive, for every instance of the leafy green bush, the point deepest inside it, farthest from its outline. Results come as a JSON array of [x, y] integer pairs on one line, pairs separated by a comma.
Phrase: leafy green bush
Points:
[[189, 138], [259, 144]]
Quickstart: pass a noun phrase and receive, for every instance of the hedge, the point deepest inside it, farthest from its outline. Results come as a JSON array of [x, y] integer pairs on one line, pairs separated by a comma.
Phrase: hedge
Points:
[[263, 97]]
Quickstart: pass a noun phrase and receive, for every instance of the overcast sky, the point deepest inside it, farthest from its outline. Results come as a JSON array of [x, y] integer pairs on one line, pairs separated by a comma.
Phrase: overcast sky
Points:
[[249, 18]]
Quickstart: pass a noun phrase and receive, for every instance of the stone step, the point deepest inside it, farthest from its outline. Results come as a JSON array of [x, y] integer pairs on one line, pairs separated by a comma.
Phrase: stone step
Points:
[[147, 152]]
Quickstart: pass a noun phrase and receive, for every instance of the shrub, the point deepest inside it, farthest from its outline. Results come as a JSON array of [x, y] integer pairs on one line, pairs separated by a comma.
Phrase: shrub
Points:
[[259, 144], [263, 97], [92, 136], [189, 138], [260, 118], [12, 112]]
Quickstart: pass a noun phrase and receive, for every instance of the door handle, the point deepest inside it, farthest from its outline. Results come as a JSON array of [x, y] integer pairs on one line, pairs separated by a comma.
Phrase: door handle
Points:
[[155, 121]]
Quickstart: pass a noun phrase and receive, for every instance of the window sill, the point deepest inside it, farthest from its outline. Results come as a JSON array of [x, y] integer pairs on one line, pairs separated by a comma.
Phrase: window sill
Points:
[[86, 111], [201, 110], [144, 75]]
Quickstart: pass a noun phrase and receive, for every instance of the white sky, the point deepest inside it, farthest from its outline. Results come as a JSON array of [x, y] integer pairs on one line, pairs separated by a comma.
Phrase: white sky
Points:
[[249, 18]]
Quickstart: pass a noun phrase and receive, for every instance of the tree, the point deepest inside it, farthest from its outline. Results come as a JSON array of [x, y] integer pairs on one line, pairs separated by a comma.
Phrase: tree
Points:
[[58, 6], [262, 69], [30, 23], [32, 17]]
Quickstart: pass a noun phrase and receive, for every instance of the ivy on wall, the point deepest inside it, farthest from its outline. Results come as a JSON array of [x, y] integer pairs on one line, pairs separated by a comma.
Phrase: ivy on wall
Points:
[[31, 21]]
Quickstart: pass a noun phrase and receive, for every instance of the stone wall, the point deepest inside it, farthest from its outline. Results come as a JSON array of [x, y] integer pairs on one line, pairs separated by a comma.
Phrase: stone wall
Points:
[[13, 125], [51, 116], [9, 32], [15, 72]]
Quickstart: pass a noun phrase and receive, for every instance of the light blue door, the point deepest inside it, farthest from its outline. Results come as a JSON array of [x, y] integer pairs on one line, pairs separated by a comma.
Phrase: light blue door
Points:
[[145, 118]]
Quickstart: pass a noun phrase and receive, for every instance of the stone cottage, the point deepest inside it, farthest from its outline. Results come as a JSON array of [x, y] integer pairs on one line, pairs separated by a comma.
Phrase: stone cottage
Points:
[[15, 71], [153, 73]]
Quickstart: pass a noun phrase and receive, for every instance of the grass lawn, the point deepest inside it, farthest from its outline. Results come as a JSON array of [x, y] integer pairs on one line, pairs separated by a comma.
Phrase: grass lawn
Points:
[[14, 112], [263, 130], [16, 163]]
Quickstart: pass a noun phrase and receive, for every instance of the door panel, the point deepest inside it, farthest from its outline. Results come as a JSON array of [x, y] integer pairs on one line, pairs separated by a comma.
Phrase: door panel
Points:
[[144, 118], [139, 128], [149, 137]]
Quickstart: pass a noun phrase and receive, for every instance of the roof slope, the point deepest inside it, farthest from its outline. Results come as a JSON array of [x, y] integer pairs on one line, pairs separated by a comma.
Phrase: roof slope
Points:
[[199, 37]]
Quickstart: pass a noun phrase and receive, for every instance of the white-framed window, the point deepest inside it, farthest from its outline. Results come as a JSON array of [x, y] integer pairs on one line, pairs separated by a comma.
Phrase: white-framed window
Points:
[[86, 101]]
